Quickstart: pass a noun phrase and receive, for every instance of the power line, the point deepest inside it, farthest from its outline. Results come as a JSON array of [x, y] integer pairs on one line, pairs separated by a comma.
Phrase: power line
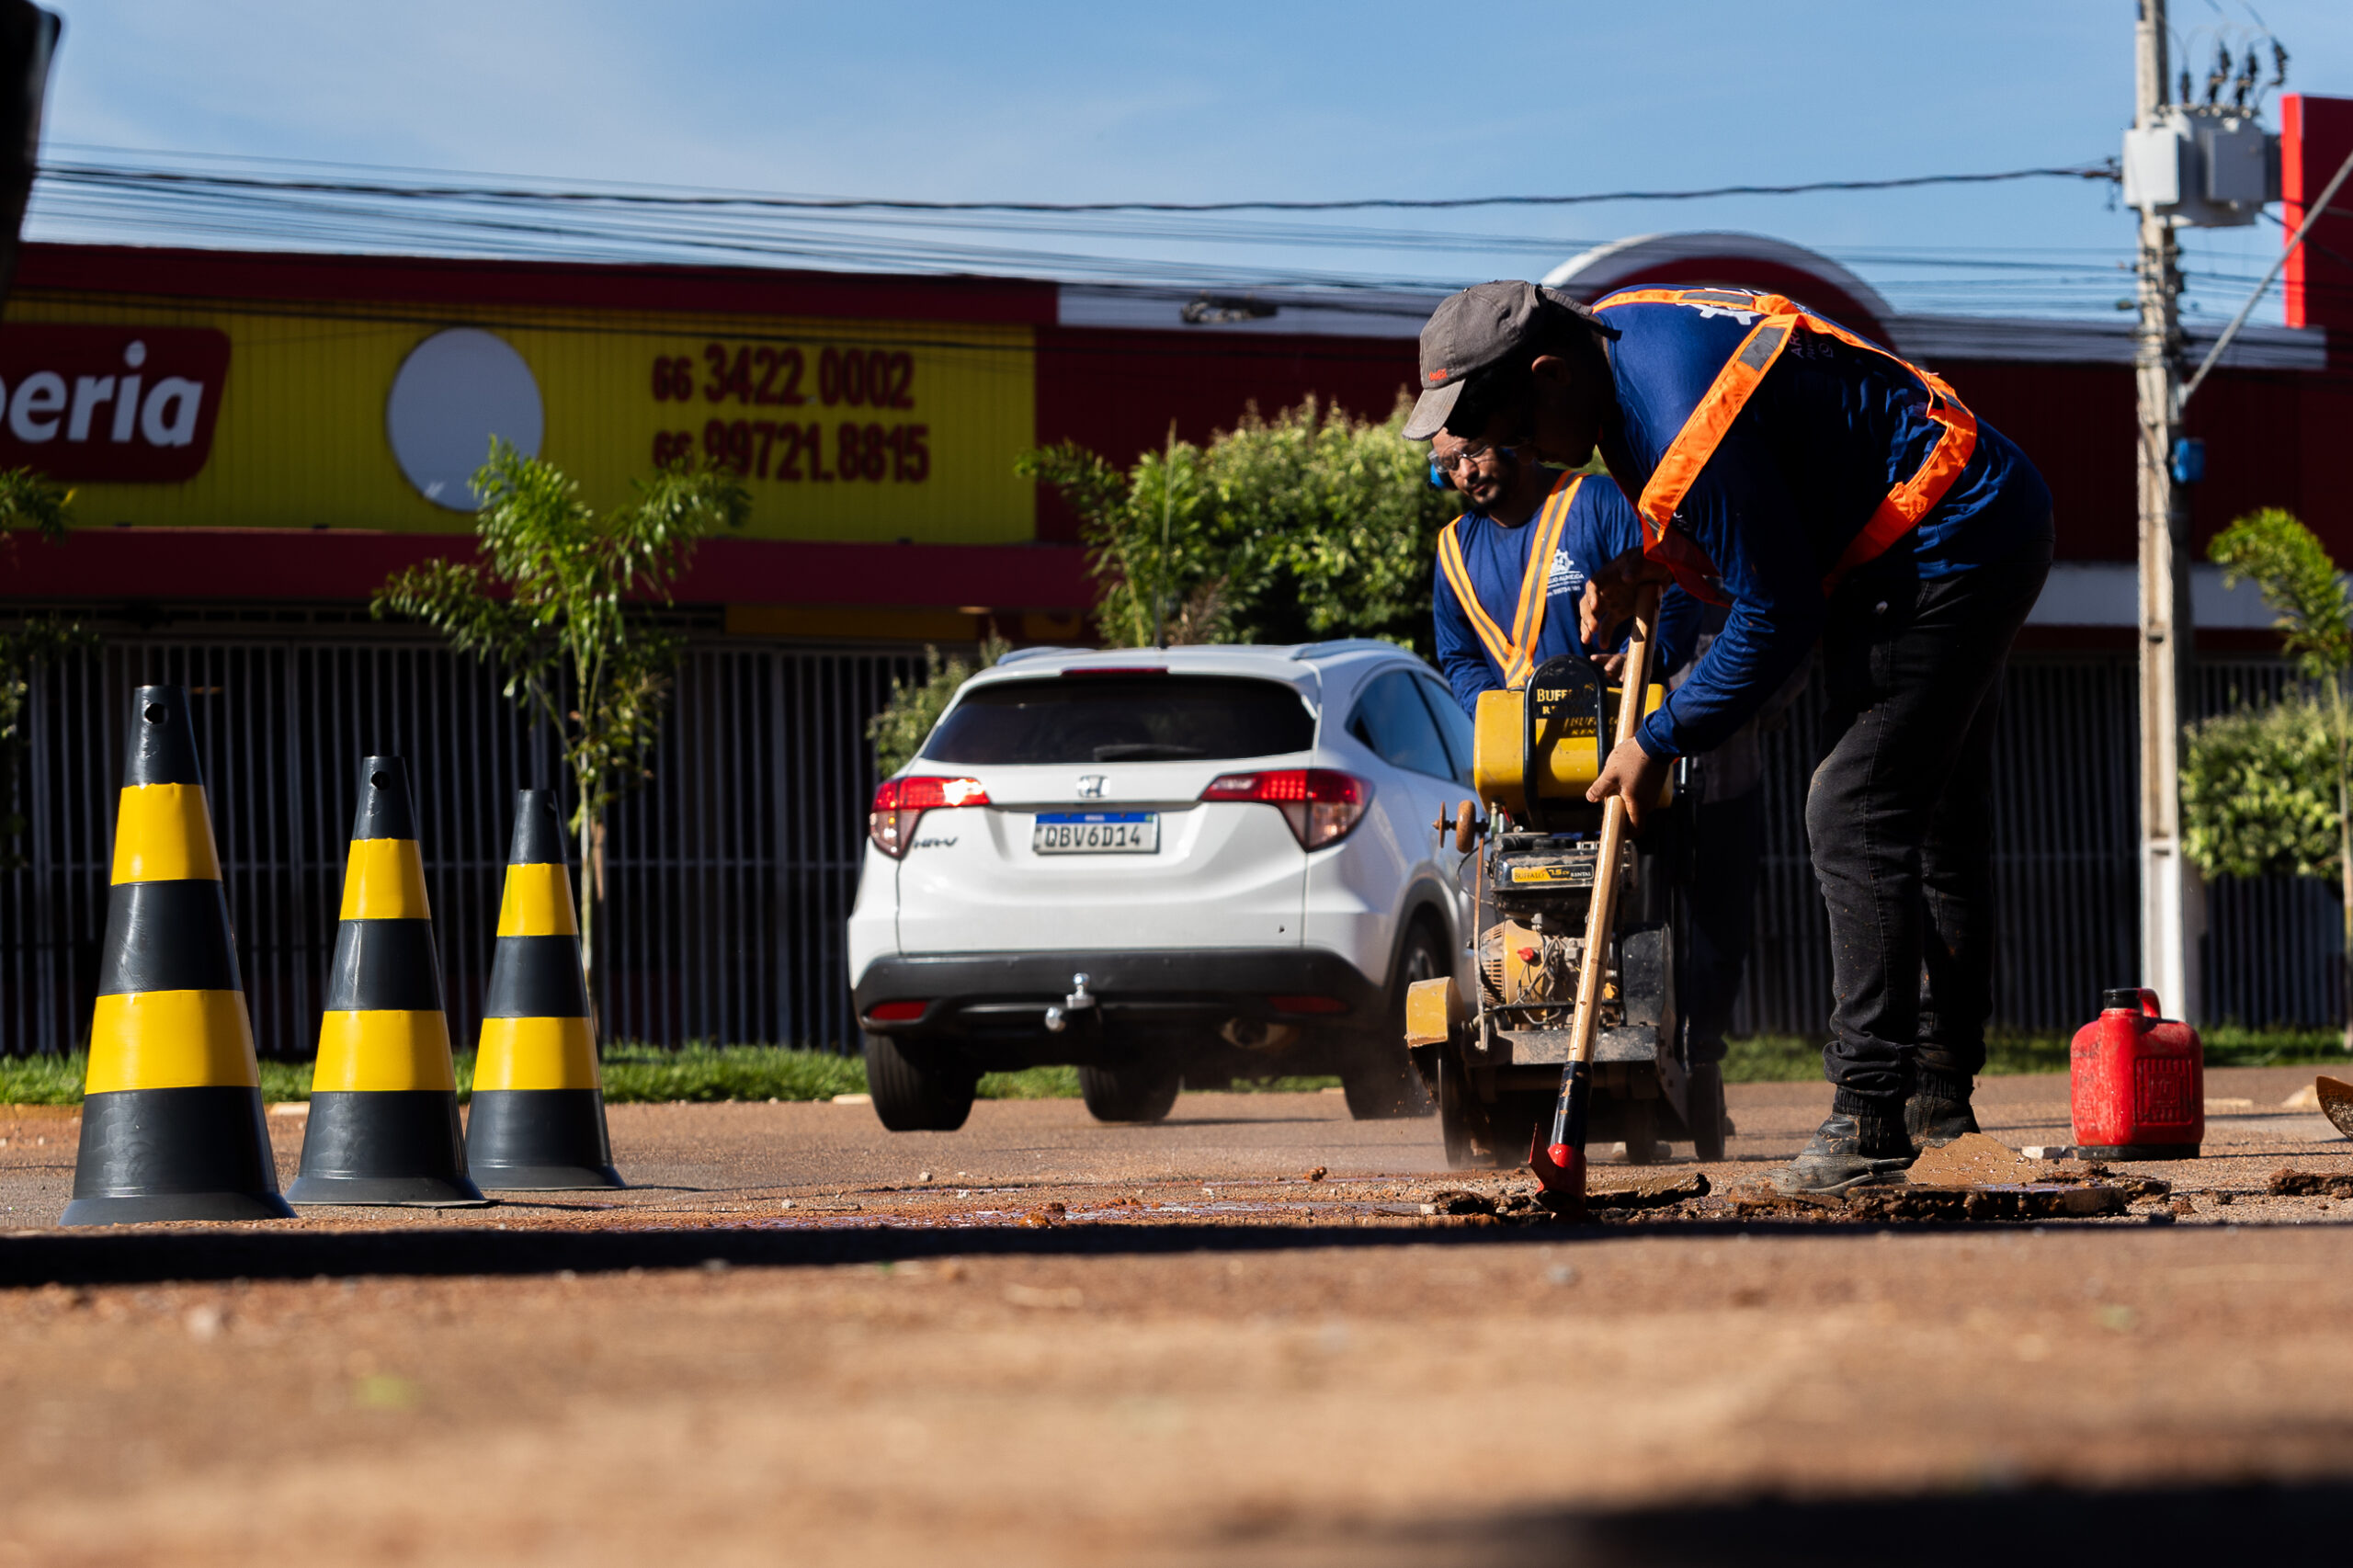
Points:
[[2106, 170], [279, 203]]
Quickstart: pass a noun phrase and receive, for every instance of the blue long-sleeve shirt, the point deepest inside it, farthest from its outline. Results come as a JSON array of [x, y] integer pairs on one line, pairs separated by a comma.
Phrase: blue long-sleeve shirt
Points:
[[1601, 527], [1828, 432]]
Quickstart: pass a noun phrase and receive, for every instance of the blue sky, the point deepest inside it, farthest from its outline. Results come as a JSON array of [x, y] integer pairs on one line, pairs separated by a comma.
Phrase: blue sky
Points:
[[1219, 101]]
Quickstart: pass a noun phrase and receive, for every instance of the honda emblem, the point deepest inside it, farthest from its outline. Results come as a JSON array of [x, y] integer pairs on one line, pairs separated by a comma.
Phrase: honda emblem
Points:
[[1092, 785]]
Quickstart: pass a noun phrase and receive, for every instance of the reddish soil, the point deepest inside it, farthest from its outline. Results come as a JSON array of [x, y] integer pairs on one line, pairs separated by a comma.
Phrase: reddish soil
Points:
[[1080, 1343]]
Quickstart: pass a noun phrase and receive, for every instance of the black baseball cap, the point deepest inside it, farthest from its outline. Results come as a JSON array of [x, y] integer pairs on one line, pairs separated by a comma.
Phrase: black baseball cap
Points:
[[1477, 330]]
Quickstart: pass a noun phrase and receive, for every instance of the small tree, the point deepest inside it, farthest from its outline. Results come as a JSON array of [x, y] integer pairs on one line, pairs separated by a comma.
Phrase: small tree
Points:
[[29, 501], [906, 720], [1155, 546], [1312, 524], [2271, 790], [1348, 517], [550, 605], [2249, 807]]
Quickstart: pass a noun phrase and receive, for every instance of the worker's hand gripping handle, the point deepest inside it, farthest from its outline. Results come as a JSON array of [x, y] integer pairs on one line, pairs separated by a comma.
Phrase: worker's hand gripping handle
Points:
[[1559, 1162]]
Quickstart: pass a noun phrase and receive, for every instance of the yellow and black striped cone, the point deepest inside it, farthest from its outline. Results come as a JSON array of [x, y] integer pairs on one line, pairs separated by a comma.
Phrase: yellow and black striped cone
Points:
[[171, 1115], [383, 1099], [537, 1121]]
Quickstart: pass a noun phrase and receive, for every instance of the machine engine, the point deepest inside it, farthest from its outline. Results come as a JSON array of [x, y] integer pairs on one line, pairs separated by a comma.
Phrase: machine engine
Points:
[[1495, 1058]]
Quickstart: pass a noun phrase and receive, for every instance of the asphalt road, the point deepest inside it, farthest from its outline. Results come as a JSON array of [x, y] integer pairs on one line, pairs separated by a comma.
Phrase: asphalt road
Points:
[[1076, 1342]]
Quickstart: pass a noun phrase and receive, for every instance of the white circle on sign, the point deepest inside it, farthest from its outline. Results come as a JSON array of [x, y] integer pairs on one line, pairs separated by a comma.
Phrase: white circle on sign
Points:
[[454, 392]]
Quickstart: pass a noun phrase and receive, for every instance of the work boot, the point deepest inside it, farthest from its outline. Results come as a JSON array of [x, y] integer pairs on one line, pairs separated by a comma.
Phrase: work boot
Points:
[[1849, 1151], [1939, 1110]]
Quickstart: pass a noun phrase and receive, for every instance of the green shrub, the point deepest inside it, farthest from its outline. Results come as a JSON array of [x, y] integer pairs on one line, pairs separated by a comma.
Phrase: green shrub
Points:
[[2258, 792], [1312, 524], [906, 720]]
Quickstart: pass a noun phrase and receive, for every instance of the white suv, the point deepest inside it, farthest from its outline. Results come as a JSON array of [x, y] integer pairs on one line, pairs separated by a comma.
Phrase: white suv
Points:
[[1159, 864]]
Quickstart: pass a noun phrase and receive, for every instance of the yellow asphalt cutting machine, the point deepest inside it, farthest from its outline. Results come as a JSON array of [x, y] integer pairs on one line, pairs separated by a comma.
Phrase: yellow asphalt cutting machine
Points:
[[1571, 1028]]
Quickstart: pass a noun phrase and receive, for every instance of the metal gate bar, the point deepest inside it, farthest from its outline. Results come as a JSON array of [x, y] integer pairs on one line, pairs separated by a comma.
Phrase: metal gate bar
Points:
[[2066, 877], [731, 873]]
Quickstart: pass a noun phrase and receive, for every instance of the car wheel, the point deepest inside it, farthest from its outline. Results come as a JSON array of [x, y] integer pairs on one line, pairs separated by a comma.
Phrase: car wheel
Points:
[[1379, 1081], [1132, 1091], [915, 1094]]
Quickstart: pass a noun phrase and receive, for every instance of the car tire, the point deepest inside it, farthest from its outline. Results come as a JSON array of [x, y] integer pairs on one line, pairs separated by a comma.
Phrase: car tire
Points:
[[916, 1093], [1379, 1081], [1132, 1091]]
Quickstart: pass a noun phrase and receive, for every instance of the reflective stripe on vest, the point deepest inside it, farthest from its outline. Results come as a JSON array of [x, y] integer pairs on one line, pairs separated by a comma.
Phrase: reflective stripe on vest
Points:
[[1778, 319], [1514, 655]]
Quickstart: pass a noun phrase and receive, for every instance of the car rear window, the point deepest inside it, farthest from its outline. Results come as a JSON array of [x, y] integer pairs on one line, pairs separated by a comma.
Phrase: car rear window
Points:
[[1123, 719]]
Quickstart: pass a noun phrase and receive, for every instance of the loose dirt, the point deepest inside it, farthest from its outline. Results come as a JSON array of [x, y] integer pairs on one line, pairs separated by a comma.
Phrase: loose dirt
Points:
[[1165, 1345], [1974, 1160]]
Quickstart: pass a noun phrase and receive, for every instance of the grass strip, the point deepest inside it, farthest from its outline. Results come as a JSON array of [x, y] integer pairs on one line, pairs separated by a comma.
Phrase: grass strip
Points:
[[638, 1073], [1781, 1059], [633, 1075], [1031, 1084]]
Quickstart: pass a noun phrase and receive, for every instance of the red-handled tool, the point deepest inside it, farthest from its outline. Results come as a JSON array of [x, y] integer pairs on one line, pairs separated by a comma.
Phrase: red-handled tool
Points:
[[1558, 1161]]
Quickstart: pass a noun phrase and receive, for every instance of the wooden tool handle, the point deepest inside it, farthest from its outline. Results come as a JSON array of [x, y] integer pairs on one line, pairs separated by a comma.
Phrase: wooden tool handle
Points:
[[1635, 683]]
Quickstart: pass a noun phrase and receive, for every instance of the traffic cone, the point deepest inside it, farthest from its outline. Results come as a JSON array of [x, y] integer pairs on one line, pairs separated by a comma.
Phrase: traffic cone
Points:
[[172, 1124], [383, 1099], [538, 1104]]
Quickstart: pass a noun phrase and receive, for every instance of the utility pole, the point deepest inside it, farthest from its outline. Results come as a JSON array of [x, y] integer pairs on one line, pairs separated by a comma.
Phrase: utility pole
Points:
[[2172, 898]]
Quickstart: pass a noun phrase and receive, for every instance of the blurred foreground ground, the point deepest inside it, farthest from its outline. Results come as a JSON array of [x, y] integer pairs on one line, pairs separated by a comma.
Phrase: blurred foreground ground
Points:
[[784, 1344]]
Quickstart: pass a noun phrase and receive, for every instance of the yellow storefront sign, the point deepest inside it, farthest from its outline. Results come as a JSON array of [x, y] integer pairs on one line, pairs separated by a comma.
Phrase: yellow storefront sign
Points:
[[850, 430]]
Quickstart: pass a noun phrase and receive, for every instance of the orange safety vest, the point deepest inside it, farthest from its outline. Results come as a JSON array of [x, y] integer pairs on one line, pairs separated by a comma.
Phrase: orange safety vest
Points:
[[1514, 655], [1780, 318]]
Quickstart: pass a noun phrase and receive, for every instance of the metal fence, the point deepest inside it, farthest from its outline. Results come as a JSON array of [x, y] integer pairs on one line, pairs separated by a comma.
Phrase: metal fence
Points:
[[2066, 874], [730, 874]]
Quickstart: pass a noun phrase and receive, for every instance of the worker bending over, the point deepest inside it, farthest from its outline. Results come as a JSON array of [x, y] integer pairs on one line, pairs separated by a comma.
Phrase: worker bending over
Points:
[[1511, 569], [1821, 489]]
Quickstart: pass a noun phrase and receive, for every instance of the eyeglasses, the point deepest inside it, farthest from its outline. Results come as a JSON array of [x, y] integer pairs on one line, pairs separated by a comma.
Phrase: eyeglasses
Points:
[[1465, 458]]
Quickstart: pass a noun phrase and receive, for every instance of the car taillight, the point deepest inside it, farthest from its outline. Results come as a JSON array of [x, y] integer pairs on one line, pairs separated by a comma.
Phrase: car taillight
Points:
[[900, 803], [1321, 805], [1307, 1004], [896, 1012]]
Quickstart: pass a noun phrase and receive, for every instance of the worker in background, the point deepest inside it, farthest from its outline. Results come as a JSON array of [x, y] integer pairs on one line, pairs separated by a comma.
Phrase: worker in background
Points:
[[1512, 569], [1510, 574], [1821, 489]]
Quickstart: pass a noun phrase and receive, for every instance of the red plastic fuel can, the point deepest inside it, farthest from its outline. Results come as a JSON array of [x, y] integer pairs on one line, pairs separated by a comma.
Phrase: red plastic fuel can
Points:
[[2137, 1082]]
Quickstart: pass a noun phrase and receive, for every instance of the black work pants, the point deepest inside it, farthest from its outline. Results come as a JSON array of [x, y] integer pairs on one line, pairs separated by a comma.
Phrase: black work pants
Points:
[[1900, 819]]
